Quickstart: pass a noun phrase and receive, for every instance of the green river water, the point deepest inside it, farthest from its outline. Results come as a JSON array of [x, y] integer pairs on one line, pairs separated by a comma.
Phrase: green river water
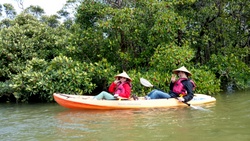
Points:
[[226, 120]]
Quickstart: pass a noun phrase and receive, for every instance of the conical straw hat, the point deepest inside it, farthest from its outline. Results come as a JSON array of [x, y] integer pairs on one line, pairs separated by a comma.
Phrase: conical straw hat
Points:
[[183, 69], [123, 74]]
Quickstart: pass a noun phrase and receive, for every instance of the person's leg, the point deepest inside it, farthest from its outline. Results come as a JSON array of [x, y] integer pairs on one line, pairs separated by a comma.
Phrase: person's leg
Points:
[[152, 92], [148, 97], [157, 94], [104, 95]]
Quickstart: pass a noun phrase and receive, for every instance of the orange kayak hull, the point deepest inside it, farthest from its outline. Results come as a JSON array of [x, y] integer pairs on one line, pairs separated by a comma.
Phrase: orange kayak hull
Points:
[[87, 102]]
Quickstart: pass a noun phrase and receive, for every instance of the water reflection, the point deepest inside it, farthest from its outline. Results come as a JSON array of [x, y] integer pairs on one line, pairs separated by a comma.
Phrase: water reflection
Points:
[[227, 119], [125, 124]]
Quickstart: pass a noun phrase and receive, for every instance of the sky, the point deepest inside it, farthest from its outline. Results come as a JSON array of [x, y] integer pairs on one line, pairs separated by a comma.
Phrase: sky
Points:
[[50, 6]]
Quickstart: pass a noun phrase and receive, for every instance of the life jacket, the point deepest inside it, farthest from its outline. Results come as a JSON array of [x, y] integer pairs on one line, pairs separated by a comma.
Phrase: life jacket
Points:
[[119, 89], [179, 88]]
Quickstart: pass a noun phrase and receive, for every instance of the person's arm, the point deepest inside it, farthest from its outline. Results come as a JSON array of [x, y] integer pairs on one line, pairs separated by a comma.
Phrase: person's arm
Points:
[[171, 86], [173, 79], [112, 87], [189, 88]]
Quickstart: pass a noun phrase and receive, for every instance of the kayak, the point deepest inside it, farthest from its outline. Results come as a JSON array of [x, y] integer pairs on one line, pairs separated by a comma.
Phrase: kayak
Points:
[[88, 102]]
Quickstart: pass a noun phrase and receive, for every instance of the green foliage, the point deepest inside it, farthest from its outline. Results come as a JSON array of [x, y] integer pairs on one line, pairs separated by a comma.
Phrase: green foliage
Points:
[[5, 88], [213, 26], [40, 79], [168, 58], [230, 68], [88, 13], [36, 11], [83, 44], [40, 55], [128, 36], [69, 76], [51, 21], [26, 39], [103, 73], [206, 81], [9, 10], [30, 81]]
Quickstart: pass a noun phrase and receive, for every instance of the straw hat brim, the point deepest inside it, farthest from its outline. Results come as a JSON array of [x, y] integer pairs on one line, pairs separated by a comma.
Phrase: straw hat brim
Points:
[[123, 74], [183, 69]]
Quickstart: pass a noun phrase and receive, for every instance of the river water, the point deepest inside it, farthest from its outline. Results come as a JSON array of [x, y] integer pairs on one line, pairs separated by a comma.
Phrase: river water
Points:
[[226, 120]]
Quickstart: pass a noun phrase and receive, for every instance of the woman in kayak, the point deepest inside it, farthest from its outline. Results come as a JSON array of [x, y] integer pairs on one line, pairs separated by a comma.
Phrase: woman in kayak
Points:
[[182, 89], [119, 89]]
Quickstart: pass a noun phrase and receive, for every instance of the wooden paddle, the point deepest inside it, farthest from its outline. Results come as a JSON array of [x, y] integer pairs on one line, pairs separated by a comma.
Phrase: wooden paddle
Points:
[[146, 83]]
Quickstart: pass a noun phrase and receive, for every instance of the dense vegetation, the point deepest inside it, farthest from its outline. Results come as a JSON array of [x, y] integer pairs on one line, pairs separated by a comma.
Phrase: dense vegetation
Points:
[[79, 50]]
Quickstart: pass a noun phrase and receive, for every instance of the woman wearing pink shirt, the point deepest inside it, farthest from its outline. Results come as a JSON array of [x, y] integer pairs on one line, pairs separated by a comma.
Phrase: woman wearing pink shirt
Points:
[[120, 88]]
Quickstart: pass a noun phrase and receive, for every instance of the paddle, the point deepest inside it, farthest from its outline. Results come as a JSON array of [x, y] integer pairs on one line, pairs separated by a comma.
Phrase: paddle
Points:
[[146, 83]]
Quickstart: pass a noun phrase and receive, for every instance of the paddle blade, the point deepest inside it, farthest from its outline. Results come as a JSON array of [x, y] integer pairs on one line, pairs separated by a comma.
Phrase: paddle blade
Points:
[[145, 82]]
